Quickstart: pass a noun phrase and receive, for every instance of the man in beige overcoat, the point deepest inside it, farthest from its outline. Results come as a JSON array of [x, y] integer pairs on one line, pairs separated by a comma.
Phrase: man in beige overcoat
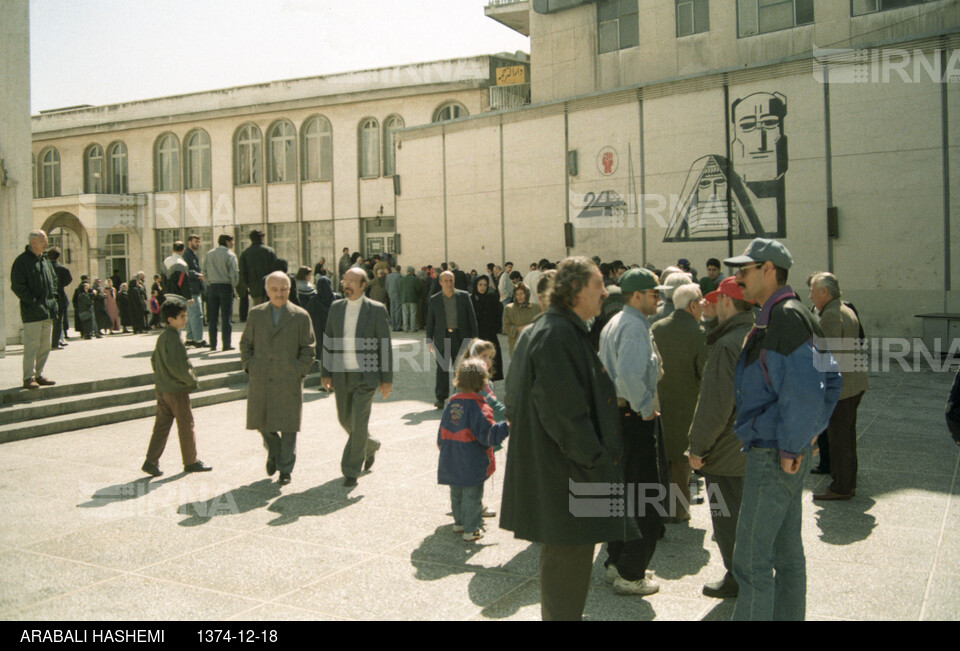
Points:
[[277, 351]]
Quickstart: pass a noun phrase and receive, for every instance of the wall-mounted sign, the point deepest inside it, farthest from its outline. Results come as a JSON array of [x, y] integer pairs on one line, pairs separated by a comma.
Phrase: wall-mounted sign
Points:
[[511, 75], [608, 161], [603, 204]]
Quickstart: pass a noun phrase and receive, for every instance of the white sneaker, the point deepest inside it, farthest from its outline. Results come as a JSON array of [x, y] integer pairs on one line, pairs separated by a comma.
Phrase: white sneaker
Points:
[[642, 587], [471, 537]]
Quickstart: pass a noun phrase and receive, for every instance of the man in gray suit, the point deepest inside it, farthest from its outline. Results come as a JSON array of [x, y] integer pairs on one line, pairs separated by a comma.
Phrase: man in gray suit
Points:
[[451, 321], [356, 363]]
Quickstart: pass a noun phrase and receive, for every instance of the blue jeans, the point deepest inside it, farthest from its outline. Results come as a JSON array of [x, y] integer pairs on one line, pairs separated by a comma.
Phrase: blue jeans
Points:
[[195, 320], [220, 302], [768, 560], [467, 503]]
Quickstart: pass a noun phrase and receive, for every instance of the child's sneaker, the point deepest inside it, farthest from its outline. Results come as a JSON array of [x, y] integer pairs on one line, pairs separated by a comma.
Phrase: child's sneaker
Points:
[[458, 528], [476, 535]]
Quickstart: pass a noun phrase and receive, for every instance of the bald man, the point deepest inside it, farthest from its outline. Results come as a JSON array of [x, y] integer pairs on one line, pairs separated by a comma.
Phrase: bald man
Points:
[[34, 281], [450, 322]]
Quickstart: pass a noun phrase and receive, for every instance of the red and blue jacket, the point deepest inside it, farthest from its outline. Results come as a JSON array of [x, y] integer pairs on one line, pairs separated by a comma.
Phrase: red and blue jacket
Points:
[[786, 387], [466, 438]]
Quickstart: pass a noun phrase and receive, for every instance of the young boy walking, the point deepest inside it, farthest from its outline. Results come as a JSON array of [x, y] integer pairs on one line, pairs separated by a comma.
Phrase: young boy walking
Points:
[[175, 380], [466, 438]]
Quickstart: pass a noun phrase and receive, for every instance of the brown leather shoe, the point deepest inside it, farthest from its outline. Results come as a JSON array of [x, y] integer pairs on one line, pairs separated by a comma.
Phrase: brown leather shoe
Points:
[[830, 496], [30, 384], [44, 382]]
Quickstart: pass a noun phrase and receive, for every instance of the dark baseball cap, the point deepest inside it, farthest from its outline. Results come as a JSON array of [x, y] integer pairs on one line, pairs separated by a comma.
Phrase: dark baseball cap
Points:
[[637, 280], [763, 250]]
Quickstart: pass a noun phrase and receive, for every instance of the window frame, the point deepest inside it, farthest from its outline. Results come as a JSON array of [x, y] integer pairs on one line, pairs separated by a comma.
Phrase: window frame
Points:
[[450, 104], [197, 155], [47, 188], [167, 174], [756, 6], [93, 169], [322, 139], [391, 124], [284, 140], [115, 155], [367, 167], [880, 8], [623, 18], [693, 17], [253, 143]]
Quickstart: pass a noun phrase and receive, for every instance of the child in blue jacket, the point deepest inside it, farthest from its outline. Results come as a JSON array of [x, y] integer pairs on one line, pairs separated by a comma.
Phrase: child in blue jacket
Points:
[[466, 438]]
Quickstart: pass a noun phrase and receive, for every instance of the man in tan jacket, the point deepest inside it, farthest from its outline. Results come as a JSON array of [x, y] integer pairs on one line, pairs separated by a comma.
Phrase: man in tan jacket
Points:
[[841, 327]]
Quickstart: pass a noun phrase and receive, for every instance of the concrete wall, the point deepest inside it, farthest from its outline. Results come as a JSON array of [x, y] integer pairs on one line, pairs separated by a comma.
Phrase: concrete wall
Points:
[[16, 192]]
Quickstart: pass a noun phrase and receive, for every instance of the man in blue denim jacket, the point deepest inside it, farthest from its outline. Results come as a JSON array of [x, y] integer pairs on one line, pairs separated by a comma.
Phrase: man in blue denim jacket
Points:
[[786, 390]]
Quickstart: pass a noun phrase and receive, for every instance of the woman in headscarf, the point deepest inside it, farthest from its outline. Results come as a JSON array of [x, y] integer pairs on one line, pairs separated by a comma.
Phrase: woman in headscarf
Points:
[[488, 309], [518, 314]]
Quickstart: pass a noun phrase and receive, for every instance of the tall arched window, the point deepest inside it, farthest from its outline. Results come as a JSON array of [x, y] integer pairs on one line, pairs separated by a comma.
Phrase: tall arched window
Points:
[[117, 168], [281, 153], [48, 179], [450, 111], [317, 148], [369, 143], [390, 125], [247, 155], [196, 172], [167, 163], [93, 173]]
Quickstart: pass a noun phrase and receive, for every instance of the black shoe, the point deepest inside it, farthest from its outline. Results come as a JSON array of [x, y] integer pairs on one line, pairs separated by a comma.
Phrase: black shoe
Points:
[[820, 471], [201, 344], [225, 348], [349, 481], [368, 462], [284, 479], [151, 469], [197, 466], [271, 467], [439, 403], [721, 590], [189, 342]]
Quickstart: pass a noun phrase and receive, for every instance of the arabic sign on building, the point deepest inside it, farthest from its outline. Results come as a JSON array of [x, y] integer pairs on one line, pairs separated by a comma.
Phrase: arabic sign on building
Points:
[[511, 75]]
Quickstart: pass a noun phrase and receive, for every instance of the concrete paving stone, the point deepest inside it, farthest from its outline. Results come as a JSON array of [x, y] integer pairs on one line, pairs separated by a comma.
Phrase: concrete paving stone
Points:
[[910, 549], [136, 598], [255, 566], [860, 591], [497, 551], [131, 543], [943, 598], [385, 588], [28, 577], [927, 462], [859, 517], [278, 613], [237, 509], [28, 519]]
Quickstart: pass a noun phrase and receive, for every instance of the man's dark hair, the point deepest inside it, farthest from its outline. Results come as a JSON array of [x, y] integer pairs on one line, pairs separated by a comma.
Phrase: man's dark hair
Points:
[[507, 263], [516, 274], [171, 309], [256, 236], [53, 253], [179, 246], [192, 236], [605, 269], [544, 264], [781, 275], [713, 262], [224, 239], [573, 274]]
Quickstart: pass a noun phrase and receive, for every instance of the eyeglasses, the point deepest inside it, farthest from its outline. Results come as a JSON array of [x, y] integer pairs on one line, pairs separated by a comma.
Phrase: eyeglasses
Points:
[[741, 271]]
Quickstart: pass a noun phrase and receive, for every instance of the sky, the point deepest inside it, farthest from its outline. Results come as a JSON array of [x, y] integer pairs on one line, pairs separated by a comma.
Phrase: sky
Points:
[[108, 51]]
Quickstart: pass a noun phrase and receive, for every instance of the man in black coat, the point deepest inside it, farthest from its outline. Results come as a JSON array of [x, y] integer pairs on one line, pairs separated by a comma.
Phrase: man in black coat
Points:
[[256, 262], [451, 321], [64, 278], [34, 282]]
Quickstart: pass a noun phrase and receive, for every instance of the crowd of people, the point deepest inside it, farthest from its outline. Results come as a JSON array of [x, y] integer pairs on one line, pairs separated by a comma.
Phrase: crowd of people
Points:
[[619, 375]]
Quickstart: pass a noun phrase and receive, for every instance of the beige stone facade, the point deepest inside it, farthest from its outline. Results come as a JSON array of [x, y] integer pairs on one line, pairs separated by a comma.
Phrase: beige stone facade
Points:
[[675, 156]]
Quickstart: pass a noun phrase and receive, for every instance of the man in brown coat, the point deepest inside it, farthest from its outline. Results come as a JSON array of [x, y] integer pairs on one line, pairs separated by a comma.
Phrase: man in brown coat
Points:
[[841, 326], [683, 349], [277, 351], [714, 449]]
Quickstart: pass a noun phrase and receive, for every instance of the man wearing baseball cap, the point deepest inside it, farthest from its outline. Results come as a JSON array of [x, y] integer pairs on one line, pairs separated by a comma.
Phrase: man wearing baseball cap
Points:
[[786, 390], [714, 450], [631, 361]]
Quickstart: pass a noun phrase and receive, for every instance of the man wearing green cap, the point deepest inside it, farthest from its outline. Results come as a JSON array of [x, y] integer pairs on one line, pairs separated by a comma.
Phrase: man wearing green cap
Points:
[[785, 391], [630, 359]]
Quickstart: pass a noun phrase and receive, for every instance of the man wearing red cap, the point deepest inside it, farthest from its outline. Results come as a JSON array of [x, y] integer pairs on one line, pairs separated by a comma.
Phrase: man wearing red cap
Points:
[[714, 449]]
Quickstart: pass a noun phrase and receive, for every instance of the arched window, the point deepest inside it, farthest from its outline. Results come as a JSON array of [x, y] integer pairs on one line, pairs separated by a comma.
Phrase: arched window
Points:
[[247, 155], [369, 142], [196, 172], [33, 174], [93, 177], [390, 125], [450, 111], [117, 168], [167, 163], [281, 153], [48, 179], [317, 149]]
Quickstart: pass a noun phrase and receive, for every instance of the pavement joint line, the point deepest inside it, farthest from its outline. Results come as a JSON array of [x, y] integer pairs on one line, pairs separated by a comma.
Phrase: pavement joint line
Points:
[[943, 526]]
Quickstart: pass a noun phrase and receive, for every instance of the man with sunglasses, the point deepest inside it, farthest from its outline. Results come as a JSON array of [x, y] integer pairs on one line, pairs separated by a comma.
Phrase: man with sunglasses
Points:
[[786, 390]]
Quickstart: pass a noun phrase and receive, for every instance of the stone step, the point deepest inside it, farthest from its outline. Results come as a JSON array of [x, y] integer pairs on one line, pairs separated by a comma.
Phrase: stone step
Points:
[[80, 402], [61, 390], [119, 413]]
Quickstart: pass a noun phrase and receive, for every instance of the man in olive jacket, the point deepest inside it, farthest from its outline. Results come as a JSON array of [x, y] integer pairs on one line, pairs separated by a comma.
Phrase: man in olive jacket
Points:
[[683, 349], [714, 449], [565, 440], [34, 281]]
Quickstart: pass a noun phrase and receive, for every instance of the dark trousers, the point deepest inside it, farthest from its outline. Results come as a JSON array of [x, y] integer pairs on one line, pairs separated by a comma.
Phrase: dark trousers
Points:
[[642, 476], [61, 323], [446, 364], [281, 448], [170, 407], [725, 494], [842, 432], [354, 399], [220, 302], [564, 581]]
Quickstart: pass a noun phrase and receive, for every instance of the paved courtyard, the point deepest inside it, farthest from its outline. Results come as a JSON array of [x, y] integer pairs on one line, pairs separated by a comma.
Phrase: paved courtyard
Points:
[[85, 535]]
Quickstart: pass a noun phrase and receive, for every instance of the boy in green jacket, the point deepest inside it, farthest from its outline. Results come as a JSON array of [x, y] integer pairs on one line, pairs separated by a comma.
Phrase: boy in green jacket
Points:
[[175, 380]]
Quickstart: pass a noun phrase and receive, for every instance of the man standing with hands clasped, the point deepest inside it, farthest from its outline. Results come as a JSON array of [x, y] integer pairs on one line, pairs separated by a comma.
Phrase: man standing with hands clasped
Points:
[[786, 390], [357, 324]]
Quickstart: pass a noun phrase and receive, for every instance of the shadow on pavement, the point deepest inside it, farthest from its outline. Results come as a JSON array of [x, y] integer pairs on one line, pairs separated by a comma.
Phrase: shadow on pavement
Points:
[[234, 502], [128, 491], [843, 523], [419, 417], [320, 500]]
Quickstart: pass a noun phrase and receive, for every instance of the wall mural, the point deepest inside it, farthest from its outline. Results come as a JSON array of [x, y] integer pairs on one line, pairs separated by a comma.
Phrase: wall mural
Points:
[[755, 176]]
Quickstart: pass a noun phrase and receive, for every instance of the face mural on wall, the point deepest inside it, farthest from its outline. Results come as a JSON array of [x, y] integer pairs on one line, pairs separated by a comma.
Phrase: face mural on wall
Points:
[[755, 177]]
